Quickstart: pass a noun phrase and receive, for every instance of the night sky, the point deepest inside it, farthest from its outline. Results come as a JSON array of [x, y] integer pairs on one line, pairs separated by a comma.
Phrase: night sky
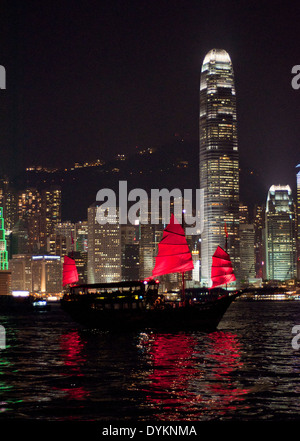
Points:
[[90, 79]]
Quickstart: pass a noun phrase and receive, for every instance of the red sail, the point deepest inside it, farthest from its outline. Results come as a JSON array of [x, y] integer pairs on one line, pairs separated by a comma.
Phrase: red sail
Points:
[[70, 274], [221, 270], [173, 252]]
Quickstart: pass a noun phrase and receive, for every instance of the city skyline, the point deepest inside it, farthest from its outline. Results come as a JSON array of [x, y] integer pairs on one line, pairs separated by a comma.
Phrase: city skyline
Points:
[[123, 99]]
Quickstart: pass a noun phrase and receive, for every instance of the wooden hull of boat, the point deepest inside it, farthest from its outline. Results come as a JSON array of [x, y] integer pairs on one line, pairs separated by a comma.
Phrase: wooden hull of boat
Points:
[[205, 316]]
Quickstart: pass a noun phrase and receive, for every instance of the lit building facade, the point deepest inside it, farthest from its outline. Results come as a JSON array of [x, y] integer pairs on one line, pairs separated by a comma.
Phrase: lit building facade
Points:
[[259, 225], [80, 258], [298, 221], [244, 214], [148, 249], [130, 252], [104, 249], [50, 214], [61, 242], [46, 274], [280, 234], [81, 236], [5, 274], [29, 210], [20, 266], [3, 250], [9, 202], [219, 160], [247, 252]]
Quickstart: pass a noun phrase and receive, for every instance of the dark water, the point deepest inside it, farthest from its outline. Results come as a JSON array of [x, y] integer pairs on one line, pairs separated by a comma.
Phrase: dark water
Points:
[[53, 369]]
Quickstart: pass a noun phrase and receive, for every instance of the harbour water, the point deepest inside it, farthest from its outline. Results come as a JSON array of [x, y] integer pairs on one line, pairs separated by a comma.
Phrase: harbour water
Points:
[[54, 370]]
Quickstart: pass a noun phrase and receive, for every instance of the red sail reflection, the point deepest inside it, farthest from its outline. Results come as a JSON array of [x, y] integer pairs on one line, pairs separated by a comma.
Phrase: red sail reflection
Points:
[[190, 376], [173, 370], [72, 345], [225, 357]]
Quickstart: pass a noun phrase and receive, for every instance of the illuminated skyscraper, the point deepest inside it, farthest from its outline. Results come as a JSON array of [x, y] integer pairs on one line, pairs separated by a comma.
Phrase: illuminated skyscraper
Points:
[[3, 250], [29, 210], [104, 250], [50, 214], [259, 225], [247, 252], [298, 221], [46, 274], [5, 275], [280, 234], [219, 160]]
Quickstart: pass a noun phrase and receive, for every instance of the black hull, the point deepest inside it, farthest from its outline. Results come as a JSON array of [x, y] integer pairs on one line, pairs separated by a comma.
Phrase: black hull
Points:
[[199, 317]]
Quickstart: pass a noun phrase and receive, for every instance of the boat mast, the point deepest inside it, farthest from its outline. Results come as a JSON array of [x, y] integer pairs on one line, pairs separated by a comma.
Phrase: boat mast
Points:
[[226, 242]]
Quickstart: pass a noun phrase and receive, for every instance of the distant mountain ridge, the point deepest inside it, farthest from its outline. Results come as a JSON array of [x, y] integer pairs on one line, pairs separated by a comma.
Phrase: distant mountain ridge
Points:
[[173, 165]]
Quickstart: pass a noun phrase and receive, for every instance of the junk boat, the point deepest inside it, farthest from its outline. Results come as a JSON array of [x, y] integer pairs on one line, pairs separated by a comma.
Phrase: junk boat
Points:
[[139, 305]]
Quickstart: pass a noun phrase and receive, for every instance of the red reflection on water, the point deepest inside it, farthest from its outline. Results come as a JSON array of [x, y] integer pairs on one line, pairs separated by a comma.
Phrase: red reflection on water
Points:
[[191, 377], [72, 345], [76, 393], [225, 352], [174, 367], [225, 355]]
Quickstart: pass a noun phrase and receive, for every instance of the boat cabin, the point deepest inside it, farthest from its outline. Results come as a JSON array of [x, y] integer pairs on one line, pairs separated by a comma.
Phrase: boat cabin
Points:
[[116, 295]]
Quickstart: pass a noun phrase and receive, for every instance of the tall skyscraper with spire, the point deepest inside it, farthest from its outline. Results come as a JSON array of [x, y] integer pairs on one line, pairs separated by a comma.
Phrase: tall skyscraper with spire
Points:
[[219, 160]]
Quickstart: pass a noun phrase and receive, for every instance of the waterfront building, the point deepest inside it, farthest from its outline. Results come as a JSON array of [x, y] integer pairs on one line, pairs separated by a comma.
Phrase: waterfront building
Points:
[[5, 282], [9, 202], [130, 262], [147, 250], [5, 274], [298, 221], [3, 249], [19, 238], [61, 242], [50, 214], [58, 245], [81, 236], [244, 214], [20, 267], [104, 249], [247, 252], [219, 160], [80, 258], [280, 234], [29, 210], [259, 225], [196, 270], [130, 251], [10, 209], [46, 274]]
